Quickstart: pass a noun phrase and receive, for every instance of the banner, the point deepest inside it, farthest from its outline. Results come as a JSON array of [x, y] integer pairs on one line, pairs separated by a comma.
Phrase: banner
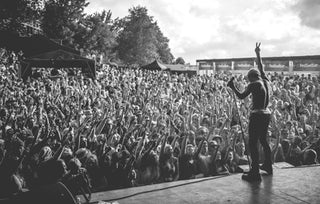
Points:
[[243, 65], [306, 65], [205, 66], [276, 65], [223, 65]]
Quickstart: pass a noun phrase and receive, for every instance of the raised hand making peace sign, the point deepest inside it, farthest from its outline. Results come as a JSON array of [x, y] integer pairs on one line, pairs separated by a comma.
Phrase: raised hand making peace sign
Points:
[[257, 49]]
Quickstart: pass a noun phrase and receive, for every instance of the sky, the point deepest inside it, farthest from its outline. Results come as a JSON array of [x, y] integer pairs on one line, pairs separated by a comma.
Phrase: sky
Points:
[[206, 29]]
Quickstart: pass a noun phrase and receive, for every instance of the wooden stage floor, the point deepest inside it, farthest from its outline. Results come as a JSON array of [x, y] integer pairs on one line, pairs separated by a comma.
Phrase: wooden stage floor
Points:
[[287, 185]]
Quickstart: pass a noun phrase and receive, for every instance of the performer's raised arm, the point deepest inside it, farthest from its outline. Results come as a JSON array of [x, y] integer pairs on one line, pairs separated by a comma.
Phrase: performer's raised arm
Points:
[[259, 61]]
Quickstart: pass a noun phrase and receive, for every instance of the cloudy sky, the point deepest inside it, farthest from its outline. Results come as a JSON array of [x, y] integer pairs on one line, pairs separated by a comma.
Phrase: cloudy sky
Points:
[[229, 28]]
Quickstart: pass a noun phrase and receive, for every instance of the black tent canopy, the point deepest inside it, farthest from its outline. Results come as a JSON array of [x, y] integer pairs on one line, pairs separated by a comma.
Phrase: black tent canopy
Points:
[[155, 65], [42, 52], [31, 46], [58, 59]]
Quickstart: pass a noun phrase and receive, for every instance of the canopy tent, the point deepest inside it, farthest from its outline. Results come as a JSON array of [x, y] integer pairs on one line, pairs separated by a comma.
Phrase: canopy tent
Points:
[[31, 46], [181, 69], [155, 66], [172, 68], [58, 59]]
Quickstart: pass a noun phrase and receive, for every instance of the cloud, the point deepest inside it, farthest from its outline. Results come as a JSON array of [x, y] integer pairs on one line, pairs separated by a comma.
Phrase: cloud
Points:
[[308, 11], [229, 28], [118, 8]]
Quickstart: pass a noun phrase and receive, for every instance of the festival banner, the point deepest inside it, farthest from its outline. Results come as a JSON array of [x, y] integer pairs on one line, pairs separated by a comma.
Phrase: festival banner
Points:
[[223, 65], [243, 65], [306, 65], [276, 65], [206, 66]]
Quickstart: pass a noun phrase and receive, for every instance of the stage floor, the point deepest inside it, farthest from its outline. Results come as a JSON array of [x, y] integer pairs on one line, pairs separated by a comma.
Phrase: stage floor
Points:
[[287, 185]]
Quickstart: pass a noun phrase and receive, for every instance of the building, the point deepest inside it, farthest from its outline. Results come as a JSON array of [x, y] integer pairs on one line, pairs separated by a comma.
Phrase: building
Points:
[[288, 65]]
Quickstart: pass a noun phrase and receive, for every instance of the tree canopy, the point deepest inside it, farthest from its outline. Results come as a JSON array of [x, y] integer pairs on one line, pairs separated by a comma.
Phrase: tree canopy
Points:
[[95, 33], [61, 19], [180, 60], [13, 13], [140, 40], [135, 39]]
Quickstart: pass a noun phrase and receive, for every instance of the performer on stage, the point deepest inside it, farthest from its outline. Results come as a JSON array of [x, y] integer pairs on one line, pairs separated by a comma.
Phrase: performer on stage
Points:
[[259, 118]]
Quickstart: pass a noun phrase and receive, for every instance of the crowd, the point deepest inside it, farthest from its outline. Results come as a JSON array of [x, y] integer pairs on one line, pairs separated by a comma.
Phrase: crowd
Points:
[[132, 127]]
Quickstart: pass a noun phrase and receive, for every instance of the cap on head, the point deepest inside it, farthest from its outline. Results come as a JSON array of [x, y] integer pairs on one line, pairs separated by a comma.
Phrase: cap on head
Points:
[[253, 73]]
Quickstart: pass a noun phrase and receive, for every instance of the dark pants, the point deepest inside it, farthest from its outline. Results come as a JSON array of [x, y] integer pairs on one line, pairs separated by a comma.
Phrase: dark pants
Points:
[[258, 129]]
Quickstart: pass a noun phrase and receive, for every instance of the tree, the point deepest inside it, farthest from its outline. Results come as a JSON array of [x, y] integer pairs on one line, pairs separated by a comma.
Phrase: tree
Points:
[[61, 18], [163, 47], [95, 33], [179, 60], [140, 40], [13, 13]]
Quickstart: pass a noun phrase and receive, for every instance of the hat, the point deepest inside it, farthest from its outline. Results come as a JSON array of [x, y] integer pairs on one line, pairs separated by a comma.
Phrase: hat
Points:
[[253, 72], [213, 143], [217, 137], [203, 130]]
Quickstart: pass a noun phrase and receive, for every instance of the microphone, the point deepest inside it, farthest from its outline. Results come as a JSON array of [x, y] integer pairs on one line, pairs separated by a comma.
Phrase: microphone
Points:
[[230, 82]]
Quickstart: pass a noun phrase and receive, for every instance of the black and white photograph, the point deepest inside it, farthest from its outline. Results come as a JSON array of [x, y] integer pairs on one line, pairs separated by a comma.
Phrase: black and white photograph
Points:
[[159, 101]]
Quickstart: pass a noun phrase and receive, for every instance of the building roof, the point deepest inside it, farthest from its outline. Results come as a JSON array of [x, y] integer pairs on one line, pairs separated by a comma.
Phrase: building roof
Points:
[[176, 67], [307, 57]]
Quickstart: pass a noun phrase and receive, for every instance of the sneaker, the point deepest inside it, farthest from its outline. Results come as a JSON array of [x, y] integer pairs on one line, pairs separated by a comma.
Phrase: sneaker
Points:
[[267, 168], [251, 177]]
